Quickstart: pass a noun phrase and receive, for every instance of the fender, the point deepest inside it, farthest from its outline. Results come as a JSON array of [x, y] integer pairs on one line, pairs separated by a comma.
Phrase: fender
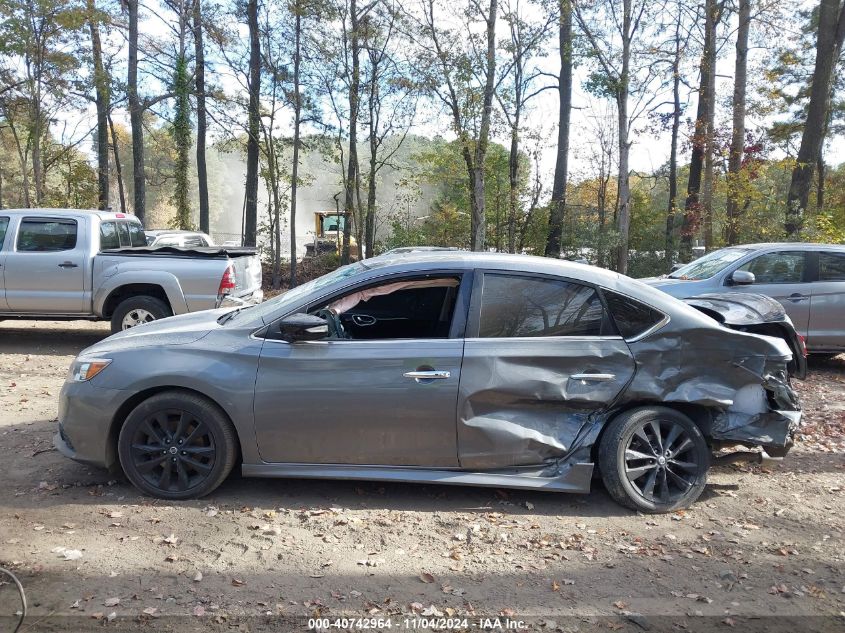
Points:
[[167, 281]]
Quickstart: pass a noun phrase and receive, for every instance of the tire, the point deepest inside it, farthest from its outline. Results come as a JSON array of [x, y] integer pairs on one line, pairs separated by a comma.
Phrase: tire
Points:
[[144, 308], [177, 445], [638, 482]]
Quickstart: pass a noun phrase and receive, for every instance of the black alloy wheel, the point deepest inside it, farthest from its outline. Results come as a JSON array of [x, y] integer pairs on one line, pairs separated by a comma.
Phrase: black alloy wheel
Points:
[[654, 459], [177, 445]]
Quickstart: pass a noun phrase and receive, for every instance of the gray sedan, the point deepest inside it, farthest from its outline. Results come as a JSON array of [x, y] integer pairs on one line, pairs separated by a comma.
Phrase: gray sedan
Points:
[[807, 279], [445, 367]]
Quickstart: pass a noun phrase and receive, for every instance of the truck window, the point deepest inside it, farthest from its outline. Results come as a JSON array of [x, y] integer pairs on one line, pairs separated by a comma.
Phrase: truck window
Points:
[[108, 236], [4, 224], [136, 234], [123, 231], [48, 234]]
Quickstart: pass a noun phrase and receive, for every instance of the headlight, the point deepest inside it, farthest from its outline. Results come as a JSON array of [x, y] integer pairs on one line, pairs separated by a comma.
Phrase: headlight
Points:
[[82, 370]]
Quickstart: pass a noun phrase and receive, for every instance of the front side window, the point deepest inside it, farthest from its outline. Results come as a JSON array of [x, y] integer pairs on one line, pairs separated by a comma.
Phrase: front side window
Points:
[[46, 235], [4, 225], [397, 309], [831, 266], [108, 236], [516, 306], [776, 268], [632, 318]]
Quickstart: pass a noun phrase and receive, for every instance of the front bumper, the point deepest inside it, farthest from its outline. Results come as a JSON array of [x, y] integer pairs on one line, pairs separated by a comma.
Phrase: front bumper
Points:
[[228, 301], [86, 413]]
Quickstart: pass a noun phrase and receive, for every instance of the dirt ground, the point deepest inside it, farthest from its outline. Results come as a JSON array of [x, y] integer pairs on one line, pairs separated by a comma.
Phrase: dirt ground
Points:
[[761, 550]]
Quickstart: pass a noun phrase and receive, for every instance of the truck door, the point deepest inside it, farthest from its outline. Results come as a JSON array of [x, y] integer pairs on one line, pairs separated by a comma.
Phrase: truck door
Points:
[[44, 272]]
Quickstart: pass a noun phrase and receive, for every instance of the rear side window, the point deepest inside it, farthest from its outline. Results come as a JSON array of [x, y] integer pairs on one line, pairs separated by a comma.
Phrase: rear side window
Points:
[[516, 306], [831, 266], [136, 234], [108, 236], [777, 268], [4, 224], [47, 235], [632, 317]]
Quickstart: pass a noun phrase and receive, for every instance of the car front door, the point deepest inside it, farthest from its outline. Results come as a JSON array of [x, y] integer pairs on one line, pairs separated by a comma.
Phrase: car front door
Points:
[[782, 275], [827, 306], [374, 401], [541, 357], [45, 271]]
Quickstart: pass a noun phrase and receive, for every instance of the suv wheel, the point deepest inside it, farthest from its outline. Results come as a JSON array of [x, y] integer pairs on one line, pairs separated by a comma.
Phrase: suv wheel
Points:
[[654, 459]]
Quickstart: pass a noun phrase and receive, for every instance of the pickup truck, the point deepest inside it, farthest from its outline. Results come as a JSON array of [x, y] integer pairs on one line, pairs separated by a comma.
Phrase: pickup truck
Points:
[[62, 264]]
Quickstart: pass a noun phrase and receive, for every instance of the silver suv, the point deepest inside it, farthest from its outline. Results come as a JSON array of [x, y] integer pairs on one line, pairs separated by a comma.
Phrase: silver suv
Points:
[[808, 279]]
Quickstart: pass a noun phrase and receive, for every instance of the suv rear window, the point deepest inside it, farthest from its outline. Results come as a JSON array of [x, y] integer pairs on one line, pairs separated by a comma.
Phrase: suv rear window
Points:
[[44, 235], [632, 317]]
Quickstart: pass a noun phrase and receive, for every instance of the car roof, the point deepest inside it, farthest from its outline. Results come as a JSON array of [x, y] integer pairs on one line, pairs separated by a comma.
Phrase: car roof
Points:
[[64, 213], [171, 232], [759, 246]]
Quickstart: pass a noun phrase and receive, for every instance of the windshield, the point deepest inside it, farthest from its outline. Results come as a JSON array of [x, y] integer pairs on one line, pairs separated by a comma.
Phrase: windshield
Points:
[[707, 266], [278, 305]]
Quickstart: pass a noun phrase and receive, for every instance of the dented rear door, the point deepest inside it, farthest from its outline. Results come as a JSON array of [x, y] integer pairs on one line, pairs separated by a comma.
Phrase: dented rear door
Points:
[[541, 360]]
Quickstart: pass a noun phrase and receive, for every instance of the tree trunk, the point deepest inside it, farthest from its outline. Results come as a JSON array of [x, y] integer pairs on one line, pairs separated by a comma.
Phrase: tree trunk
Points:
[[181, 127], [251, 205], [297, 122], [738, 134], [352, 163], [101, 92], [202, 168], [557, 211], [513, 176], [623, 217], [136, 115], [831, 33], [117, 166], [478, 219], [671, 211], [692, 205], [709, 152]]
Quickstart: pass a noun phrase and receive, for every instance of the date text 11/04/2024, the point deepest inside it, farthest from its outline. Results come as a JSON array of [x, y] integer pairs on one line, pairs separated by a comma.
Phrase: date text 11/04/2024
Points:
[[494, 623]]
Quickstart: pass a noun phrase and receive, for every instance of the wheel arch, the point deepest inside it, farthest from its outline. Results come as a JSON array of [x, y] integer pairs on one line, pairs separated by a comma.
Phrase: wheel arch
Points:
[[133, 290]]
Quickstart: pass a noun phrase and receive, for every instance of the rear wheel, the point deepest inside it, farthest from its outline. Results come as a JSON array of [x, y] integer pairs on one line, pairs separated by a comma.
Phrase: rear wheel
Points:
[[654, 459], [138, 310], [177, 445]]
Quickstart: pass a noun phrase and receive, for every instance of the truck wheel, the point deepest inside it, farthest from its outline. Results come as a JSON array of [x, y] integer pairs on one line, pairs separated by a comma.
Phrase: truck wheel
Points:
[[177, 445], [654, 459], [138, 310]]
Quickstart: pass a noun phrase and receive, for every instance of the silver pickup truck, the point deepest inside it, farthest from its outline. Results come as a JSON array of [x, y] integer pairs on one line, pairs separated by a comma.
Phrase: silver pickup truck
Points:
[[69, 264]]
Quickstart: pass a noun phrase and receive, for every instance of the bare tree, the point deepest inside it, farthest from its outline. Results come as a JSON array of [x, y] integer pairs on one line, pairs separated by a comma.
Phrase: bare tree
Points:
[[199, 83], [250, 236]]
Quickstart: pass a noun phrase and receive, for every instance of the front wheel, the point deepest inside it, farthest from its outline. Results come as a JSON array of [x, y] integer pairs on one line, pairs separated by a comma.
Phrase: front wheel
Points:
[[654, 459], [177, 445]]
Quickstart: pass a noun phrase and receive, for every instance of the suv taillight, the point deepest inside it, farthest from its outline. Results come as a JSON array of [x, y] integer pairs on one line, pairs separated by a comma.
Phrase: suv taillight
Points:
[[227, 282]]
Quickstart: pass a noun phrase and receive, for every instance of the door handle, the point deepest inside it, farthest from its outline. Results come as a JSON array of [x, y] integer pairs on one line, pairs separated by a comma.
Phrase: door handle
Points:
[[363, 319], [427, 375], [68, 265], [593, 377], [795, 297]]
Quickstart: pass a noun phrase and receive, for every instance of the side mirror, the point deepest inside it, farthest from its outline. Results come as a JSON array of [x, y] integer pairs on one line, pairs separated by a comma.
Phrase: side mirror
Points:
[[303, 327], [742, 278]]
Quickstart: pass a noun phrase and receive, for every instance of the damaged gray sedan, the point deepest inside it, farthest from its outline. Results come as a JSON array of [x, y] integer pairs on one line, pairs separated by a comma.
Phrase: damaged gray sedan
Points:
[[438, 367]]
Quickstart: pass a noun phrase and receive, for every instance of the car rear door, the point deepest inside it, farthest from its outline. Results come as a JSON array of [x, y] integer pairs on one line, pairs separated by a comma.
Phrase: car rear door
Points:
[[541, 357], [45, 271], [388, 401], [827, 306], [783, 275]]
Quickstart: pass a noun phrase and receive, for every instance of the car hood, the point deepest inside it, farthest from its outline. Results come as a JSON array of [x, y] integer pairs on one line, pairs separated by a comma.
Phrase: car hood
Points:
[[177, 330], [739, 308]]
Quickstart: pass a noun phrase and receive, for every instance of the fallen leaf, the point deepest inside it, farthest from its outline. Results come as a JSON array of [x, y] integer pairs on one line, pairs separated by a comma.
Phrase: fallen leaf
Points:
[[237, 582], [426, 577], [198, 576], [620, 605], [199, 611], [111, 602]]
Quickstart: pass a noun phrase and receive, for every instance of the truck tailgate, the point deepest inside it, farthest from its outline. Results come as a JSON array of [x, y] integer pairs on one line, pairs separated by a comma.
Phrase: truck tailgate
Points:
[[247, 274]]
